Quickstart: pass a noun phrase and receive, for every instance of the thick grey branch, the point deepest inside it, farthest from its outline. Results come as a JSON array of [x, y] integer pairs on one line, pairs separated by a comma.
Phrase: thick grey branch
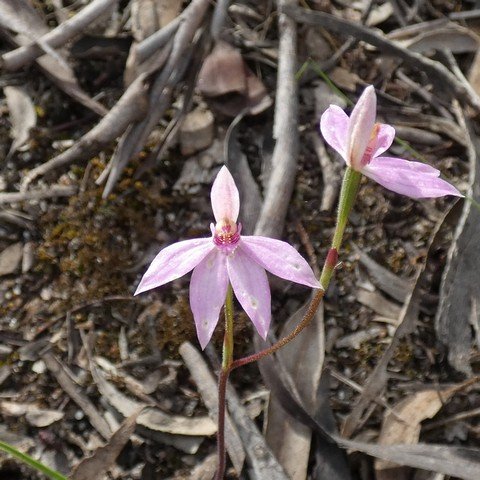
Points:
[[284, 160]]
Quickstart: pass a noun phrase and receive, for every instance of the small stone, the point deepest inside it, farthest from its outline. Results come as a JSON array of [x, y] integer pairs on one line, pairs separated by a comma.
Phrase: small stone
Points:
[[79, 415], [10, 258], [39, 367]]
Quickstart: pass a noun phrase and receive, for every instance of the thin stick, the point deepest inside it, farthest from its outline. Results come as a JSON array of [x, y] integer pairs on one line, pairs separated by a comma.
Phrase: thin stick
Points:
[[51, 192]]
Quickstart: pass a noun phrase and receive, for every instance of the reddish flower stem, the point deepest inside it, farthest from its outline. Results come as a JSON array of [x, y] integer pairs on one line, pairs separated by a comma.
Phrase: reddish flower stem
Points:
[[222, 388], [327, 272], [312, 308]]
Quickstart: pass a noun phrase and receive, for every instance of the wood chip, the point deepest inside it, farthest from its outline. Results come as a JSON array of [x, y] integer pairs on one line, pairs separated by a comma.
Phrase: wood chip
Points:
[[10, 259], [197, 131], [403, 424]]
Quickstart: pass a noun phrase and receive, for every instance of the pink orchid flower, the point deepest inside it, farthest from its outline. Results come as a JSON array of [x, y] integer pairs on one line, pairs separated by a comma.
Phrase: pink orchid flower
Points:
[[226, 258], [360, 141]]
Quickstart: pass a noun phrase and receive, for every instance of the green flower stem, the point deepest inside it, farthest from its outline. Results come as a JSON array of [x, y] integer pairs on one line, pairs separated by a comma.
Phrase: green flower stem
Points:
[[23, 457], [227, 360], [228, 339], [348, 194]]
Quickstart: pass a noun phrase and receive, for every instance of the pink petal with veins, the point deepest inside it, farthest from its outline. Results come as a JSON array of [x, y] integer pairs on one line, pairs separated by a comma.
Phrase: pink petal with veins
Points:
[[362, 121], [208, 289], [334, 128], [175, 261], [279, 258], [250, 285], [224, 196], [414, 179]]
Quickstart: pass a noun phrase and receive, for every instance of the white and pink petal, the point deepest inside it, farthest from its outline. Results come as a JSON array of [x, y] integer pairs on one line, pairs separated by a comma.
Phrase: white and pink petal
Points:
[[225, 197], [413, 179], [334, 124], [208, 289], [279, 258], [250, 285], [174, 261]]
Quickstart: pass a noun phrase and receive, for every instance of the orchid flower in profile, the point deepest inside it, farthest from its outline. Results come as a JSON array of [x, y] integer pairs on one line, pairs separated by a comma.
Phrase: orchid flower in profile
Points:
[[227, 257], [360, 141]]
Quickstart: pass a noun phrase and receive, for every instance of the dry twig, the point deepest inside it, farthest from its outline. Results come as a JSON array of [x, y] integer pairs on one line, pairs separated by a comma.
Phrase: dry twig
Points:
[[57, 37], [130, 107], [51, 192]]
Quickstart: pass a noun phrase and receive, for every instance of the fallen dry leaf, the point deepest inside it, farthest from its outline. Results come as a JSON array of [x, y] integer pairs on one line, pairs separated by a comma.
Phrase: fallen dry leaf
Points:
[[64, 377], [34, 415], [303, 360], [102, 459], [229, 84], [460, 287], [23, 116], [402, 425], [453, 37], [152, 418]]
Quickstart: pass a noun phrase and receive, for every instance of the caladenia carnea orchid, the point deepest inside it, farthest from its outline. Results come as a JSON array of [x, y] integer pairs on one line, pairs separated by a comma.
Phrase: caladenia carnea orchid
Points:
[[228, 258], [361, 141], [228, 263]]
